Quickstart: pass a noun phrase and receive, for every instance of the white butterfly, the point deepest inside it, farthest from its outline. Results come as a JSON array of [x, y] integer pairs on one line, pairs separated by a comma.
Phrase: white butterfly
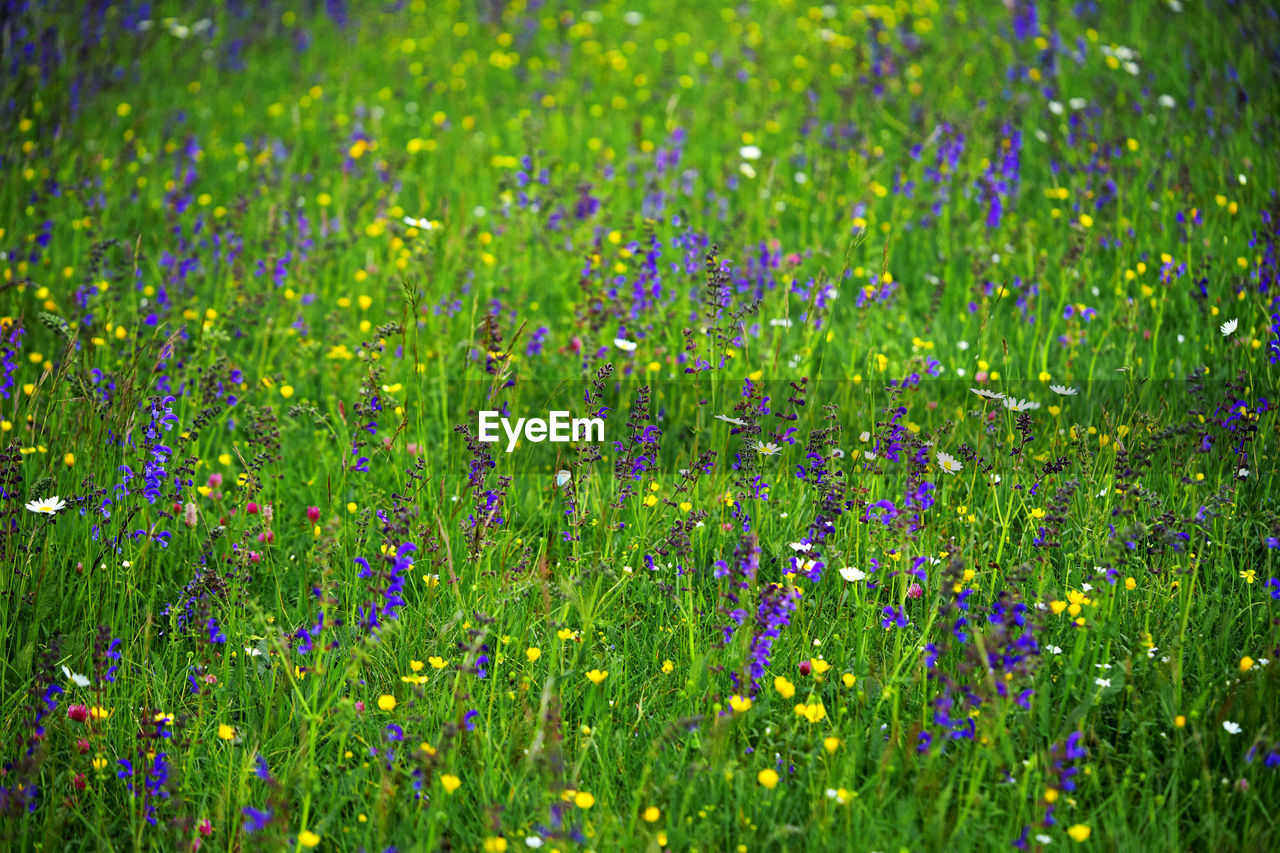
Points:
[[74, 677], [563, 477]]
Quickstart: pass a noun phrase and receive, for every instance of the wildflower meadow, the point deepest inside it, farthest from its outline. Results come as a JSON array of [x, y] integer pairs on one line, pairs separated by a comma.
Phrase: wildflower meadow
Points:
[[627, 425]]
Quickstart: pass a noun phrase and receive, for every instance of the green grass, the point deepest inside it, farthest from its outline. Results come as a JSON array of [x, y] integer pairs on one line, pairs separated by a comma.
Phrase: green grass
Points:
[[216, 215]]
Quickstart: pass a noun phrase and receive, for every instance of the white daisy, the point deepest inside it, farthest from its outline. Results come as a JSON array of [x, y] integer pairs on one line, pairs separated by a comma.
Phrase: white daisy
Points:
[[1232, 728], [1063, 390], [1228, 328], [852, 574], [749, 152], [988, 395], [47, 506], [949, 463], [1013, 404], [424, 223], [729, 420], [766, 448], [624, 344]]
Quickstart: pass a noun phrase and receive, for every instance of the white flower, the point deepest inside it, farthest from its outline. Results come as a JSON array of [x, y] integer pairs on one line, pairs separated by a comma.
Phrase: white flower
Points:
[[852, 574], [1102, 682], [864, 437], [1063, 390], [800, 546], [424, 224], [1044, 839], [1077, 103], [805, 565], [635, 19], [1057, 650], [1166, 101], [1055, 107], [624, 344], [252, 652], [766, 448], [747, 170], [750, 152], [1228, 328], [729, 420], [949, 463], [47, 506], [74, 677], [533, 841], [780, 322], [962, 345], [988, 395], [1232, 728], [1013, 404]]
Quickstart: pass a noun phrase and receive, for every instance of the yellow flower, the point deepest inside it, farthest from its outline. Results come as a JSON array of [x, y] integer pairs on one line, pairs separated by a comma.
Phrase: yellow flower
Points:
[[100, 763], [819, 665], [785, 688], [739, 704], [532, 653], [1249, 576], [286, 391], [583, 800], [651, 814], [814, 713], [831, 744], [1051, 795], [1130, 583], [768, 778], [667, 666], [1079, 832], [1246, 663], [308, 839], [596, 676], [495, 844], [416, 665], [1180, 721], [437, 662], [226, 732], [99, 713], [387, 702], [450, 783], [848, 678]]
